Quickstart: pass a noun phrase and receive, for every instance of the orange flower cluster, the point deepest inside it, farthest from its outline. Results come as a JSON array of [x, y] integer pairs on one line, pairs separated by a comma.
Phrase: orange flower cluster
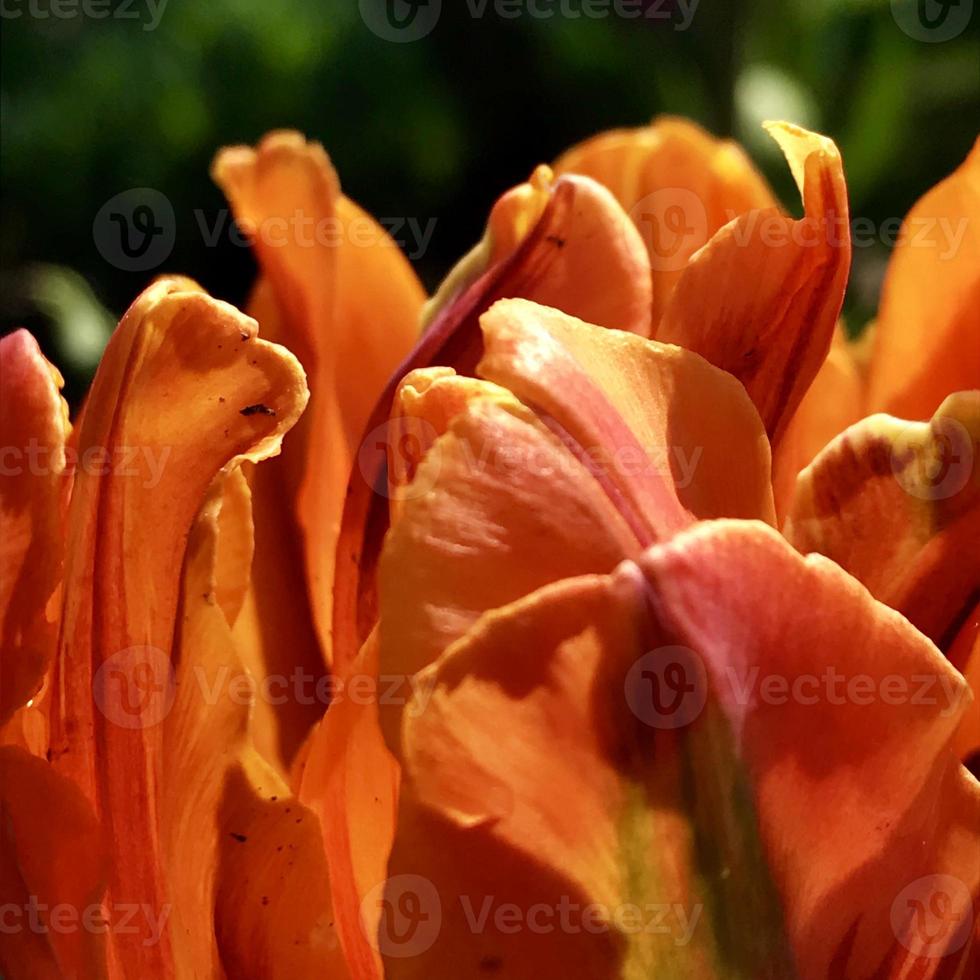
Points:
[[583, 621]]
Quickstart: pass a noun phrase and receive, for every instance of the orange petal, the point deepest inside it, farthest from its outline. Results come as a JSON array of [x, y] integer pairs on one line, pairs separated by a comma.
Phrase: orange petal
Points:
[[350, 781], [274, 919], [265, 912], [563, 242], [204, 731], [278, 193], [234, 545], [554, 512], [379, 303], [275, 635], [184, 389], [760, 300], [544, 832], [274, 632], [379, 306], [897, 504], [662, 423], [679, 185], [531, 788], [53, 867], [426, 401], [926, 343], [498, 508], [523, 355], [345, 296], [845, 715], [33, 495]]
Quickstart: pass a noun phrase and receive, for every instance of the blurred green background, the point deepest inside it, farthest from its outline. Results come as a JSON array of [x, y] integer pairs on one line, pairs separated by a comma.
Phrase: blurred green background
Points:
[[435, 128]]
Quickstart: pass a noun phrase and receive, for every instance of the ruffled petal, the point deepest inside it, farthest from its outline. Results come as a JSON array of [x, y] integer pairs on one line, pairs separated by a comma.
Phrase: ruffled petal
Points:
[[761, 299], [556, 764], [661, 423], [564, 242], [543, 831], [184, 390], [243, 859], [927, 344], [33, 496], [679, 185], [897, 504], [345, 301], [505, 499], [498, 508], [561, 242], [426, 401], [844, 715], [275, 633]]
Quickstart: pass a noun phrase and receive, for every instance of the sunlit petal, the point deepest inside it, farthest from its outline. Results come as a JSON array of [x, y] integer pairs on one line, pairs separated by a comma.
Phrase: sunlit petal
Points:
[[927, 338], [761, 299]]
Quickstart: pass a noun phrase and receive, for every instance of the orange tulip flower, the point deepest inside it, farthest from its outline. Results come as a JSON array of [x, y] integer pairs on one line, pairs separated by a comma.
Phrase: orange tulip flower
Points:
[[631, 706], [591, 713], [924, 347]]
